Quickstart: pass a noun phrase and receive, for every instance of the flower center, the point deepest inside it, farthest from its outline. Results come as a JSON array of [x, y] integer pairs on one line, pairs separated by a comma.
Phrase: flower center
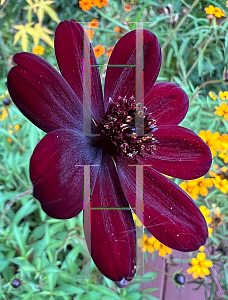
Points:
[[119, 129]]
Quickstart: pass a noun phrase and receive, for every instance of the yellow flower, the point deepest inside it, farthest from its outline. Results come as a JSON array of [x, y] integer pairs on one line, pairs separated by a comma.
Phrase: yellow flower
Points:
[[197, 186], [99, 50], [221, 184], [163, 250], [223, 95], [222, 110], [38, 50], [224, 155], [4, 114], [200, 266], [206, 213], [212, 140], [210, 10], [9, 140], [146, 243], [202, 248], [17, 127], [219, 13], [213, 97], [10, 131], [224, 141], [210, 230], [137, 221]]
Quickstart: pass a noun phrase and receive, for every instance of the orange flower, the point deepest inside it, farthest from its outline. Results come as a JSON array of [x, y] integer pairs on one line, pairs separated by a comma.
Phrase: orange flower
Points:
[[85, 4], [127, 7], [99, 50], [108, 53], [100, 3], [117, 29], [38, 50], [94, 23], [90, 33]]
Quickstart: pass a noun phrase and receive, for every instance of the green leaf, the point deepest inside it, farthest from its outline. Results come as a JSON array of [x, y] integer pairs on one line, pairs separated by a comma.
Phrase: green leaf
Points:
[[24, 211], [103, 290], [19, 239], [69, 289]]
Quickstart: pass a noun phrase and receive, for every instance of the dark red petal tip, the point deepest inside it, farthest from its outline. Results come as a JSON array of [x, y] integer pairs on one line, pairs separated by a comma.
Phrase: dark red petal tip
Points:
[[71, 44], [112, 226], [179, 152], [167, 103], [169, 213], [43, 95]]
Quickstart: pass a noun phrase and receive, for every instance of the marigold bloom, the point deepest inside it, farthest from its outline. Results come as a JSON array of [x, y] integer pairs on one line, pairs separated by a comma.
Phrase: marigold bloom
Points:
[[99, 50], [219, 13], [206, 212], [146, 243], [85, 4], [212, 95], [221, 184], [54, 103], [222, 110], [38, 50], [202, 248], [210, 230], [17, 127], [223, 95], [117, 29], [212, 140], [94, 23], [163, 250], [210, 10], [197, 186], [127, 7], [200, 266], [100, 3], [224, 155]]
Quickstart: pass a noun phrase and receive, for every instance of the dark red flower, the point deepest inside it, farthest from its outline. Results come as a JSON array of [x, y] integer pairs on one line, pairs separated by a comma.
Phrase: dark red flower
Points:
[[54, 103]]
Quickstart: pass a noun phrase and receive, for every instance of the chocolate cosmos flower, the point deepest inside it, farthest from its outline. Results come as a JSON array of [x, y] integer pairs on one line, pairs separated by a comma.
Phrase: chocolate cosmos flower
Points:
[[54, 103]]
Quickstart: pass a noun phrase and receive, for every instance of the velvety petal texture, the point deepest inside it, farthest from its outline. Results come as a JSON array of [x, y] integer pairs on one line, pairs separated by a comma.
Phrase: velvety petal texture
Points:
[[169, 213], [121, 79], [70, 45], [167, 103], [179, 152], [57, 172], [43, 95], [112, 226]]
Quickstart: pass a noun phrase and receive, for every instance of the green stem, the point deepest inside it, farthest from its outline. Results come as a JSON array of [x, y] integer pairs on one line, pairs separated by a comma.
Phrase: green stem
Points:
[[110, 19], [179, 25], [202, 85]]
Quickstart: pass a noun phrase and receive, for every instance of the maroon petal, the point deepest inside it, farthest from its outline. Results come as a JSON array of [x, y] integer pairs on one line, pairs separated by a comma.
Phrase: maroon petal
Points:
[[69, 49], [179, 152], [169, 213], [167, 103], [43, 95], [112, 227], [120, 77], [55, 174]]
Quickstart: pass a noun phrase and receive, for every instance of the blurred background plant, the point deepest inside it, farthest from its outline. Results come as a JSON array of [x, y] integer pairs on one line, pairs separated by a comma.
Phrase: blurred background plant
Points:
[[42, 258]]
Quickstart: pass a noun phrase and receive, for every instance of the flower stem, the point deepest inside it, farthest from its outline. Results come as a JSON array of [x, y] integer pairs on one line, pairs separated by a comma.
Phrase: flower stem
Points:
[[202, 85], [179, 25], [110, 19], [11, 202]]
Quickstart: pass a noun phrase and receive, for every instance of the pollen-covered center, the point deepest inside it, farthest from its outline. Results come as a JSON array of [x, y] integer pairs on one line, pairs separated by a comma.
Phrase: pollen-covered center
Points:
[[120, 126]]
